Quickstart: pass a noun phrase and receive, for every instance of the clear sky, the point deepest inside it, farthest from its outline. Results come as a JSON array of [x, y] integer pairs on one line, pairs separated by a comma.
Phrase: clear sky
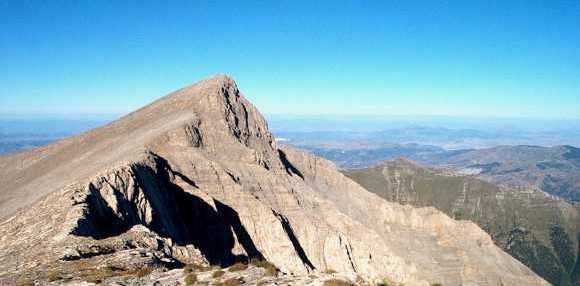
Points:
[[458, 58]]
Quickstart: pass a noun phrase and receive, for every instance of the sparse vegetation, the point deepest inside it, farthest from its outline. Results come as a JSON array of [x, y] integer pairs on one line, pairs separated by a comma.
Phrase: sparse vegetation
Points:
[[329, 271], [436, 284], [360, 281], [218, 273], [90, 272], [53, 276], [142, 272], [270, 268], [193, 267], [384, 283], [238, 267], [337, 282], [190, 279], [230, 282], [24, 282]]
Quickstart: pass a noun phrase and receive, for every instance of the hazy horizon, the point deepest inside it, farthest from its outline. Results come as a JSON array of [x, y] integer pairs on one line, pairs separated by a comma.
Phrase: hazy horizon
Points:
[[412, 58], [451, 133]]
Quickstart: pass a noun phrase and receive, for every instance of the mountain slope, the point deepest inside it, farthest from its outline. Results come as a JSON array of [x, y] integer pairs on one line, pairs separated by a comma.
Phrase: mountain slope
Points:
[[555, 170], [196, 177], [538, 229]]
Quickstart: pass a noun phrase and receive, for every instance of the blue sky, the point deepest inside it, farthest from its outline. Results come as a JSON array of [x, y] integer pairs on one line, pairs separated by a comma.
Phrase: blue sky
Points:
[[455, 58]]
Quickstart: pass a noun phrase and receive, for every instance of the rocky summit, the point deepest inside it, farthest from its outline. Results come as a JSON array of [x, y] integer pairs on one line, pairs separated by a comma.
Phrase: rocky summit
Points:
[[195, 181]]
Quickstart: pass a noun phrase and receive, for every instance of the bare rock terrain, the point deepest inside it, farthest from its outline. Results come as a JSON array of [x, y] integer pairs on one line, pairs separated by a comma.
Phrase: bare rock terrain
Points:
[[196, 178]]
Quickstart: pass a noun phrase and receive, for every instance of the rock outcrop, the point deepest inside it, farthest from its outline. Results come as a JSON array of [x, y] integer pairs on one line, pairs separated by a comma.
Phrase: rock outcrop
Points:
[[196, 177]]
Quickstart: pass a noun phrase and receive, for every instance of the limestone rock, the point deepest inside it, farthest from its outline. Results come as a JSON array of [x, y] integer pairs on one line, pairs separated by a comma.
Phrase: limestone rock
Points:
[[196, 177]]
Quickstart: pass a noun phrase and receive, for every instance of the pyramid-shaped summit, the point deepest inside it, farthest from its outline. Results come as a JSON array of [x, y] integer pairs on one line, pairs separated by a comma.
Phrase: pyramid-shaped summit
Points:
[[197, 178]]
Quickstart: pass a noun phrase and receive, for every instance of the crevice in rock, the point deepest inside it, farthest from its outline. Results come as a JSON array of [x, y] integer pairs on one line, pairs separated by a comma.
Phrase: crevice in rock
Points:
[[233, 177], [290, 169], [232, 218], [194, 135], [294, 240], [100, 221], [175, 213], [186, 179], [348, 250], [92, 251]]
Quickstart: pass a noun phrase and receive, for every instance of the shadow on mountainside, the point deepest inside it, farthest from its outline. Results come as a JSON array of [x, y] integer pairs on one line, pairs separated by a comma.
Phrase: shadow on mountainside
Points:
[[185, 218], [290, 169]]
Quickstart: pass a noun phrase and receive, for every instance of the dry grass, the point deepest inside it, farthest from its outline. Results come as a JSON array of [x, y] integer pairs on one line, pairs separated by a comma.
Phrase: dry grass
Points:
[[91, 273], [337, 282], [190, 279], [218, 273], [270, 268], [142, 272], [361, 282], [386, 282], [230, 282], [24, 282], [52, 276], [329, 271], [238, 267], [194, 267]]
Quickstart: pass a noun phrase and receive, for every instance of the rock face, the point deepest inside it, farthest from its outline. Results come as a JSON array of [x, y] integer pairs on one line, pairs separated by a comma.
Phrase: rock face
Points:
[[196, 177], [538, 229]]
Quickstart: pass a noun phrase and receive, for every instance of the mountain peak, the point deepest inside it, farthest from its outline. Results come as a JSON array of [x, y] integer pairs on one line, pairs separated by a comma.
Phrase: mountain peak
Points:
[[196, 178], [211, 116], [214, 82]]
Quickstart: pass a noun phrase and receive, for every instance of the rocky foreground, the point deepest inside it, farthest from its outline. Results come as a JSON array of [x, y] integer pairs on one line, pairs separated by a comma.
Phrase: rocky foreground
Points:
[[196, 178]]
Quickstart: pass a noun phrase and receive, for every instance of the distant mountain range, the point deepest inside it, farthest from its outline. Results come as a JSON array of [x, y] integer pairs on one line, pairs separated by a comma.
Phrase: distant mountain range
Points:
[[470, 136], [538, 229], [555, 170]]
